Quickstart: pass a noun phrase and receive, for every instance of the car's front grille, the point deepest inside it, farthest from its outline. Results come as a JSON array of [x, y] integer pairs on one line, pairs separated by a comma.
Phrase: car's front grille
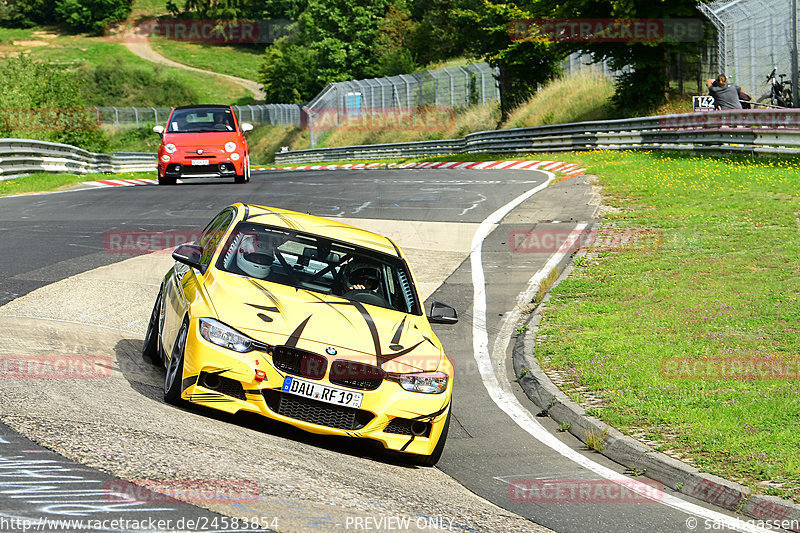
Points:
[[356, 375], [299, 362], [314, 412], [402, 426], [227, 386]]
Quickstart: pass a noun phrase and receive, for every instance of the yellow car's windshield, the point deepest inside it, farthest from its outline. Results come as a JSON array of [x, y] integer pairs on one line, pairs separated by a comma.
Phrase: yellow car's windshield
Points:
[[319, 264]]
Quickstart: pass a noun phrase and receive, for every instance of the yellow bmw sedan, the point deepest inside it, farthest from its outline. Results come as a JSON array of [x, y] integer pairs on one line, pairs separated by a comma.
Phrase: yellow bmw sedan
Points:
[[307, 321]]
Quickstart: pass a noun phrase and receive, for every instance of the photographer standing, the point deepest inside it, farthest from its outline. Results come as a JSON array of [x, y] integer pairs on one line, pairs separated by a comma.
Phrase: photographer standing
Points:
[[726, 95]]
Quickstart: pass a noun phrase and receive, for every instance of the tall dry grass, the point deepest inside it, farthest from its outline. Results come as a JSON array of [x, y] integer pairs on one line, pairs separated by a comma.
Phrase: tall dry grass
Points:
[[576, 98], [423, 124]]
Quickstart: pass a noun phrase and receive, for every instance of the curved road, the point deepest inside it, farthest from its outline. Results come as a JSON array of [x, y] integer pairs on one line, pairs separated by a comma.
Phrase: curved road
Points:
[[64, 293], [146, 52]]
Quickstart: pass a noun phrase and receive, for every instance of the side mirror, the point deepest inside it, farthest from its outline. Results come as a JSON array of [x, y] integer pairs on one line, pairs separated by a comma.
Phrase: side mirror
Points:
[[159, 129], [188, 254], [442, 314], [246, 126]]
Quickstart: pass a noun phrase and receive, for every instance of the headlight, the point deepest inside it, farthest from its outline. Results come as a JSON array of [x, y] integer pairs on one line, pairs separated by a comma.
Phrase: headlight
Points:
[[170, 148], [218, 333], [426, 382], [234, 157], [230, 147], [165, 158]]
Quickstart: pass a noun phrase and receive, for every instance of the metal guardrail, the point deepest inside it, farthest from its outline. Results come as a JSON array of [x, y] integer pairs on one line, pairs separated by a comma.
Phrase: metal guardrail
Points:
[[751, 131], [24, 156]]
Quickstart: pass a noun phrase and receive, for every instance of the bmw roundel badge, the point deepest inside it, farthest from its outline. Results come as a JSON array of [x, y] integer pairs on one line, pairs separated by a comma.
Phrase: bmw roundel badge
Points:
[[330, 350]]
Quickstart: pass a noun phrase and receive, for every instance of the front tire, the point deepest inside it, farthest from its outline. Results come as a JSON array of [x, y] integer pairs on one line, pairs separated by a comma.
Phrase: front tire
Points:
[[166, 181], [173, 381], [245, 177], [151, 350]]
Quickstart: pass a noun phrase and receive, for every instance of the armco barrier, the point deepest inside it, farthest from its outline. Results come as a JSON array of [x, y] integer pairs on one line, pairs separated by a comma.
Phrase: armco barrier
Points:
[[24, 156], [751, 131]]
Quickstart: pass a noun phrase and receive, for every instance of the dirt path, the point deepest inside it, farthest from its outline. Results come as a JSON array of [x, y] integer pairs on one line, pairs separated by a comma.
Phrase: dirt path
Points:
[[145, 51]]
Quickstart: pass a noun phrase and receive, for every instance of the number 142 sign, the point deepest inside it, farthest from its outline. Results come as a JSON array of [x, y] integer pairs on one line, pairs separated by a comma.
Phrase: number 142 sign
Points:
[[703, 103]]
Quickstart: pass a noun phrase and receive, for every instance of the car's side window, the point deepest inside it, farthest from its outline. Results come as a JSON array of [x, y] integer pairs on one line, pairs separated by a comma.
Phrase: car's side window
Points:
[[211, 236]]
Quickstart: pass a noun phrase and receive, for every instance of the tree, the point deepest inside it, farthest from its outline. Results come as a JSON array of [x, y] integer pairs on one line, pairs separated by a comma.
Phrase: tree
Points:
[[91, 15], [80, 15], [26, 13], [644, 83], [393, 54], [333, 40], [523, 64], [436, 34]]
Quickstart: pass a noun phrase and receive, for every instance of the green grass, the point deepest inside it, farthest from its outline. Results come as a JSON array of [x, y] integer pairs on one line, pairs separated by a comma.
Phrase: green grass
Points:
[[9, 35], [240, 61], [132, 139], [150, 8], [85, 50], [712, 273], [43, 182]]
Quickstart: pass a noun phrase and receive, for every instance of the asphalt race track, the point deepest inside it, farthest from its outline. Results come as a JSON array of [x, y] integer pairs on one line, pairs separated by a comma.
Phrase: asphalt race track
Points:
[[64, 292]]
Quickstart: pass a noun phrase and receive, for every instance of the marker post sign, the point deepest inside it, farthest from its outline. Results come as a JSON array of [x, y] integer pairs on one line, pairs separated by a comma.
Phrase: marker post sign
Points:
[[703, 103]]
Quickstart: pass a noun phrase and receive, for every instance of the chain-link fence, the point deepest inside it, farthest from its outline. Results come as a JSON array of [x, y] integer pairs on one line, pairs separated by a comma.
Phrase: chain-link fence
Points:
[[274, 114], [753, 37], [449, 88], [577, 62]]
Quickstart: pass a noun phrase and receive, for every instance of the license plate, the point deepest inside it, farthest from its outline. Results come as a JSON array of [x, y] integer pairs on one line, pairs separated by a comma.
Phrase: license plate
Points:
[[322, 393], [196, 162]]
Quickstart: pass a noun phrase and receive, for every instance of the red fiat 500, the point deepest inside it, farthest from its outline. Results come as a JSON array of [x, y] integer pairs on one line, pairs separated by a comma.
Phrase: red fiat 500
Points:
[[203, 141]]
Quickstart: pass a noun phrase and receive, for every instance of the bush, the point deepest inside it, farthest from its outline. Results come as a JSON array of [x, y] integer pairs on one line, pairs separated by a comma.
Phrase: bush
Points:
[[133, 139], [91, 15], [26, 13], [114, 83], [44, 102], [78, 15]]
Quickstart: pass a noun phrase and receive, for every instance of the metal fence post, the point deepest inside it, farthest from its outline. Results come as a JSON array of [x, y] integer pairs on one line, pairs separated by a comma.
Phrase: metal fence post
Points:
[[435, 88], [452, 89], [136, 114], [311, 139]]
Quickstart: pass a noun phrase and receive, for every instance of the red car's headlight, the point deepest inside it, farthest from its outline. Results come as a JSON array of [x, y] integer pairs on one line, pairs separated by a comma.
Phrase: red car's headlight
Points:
[[230, 147]]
